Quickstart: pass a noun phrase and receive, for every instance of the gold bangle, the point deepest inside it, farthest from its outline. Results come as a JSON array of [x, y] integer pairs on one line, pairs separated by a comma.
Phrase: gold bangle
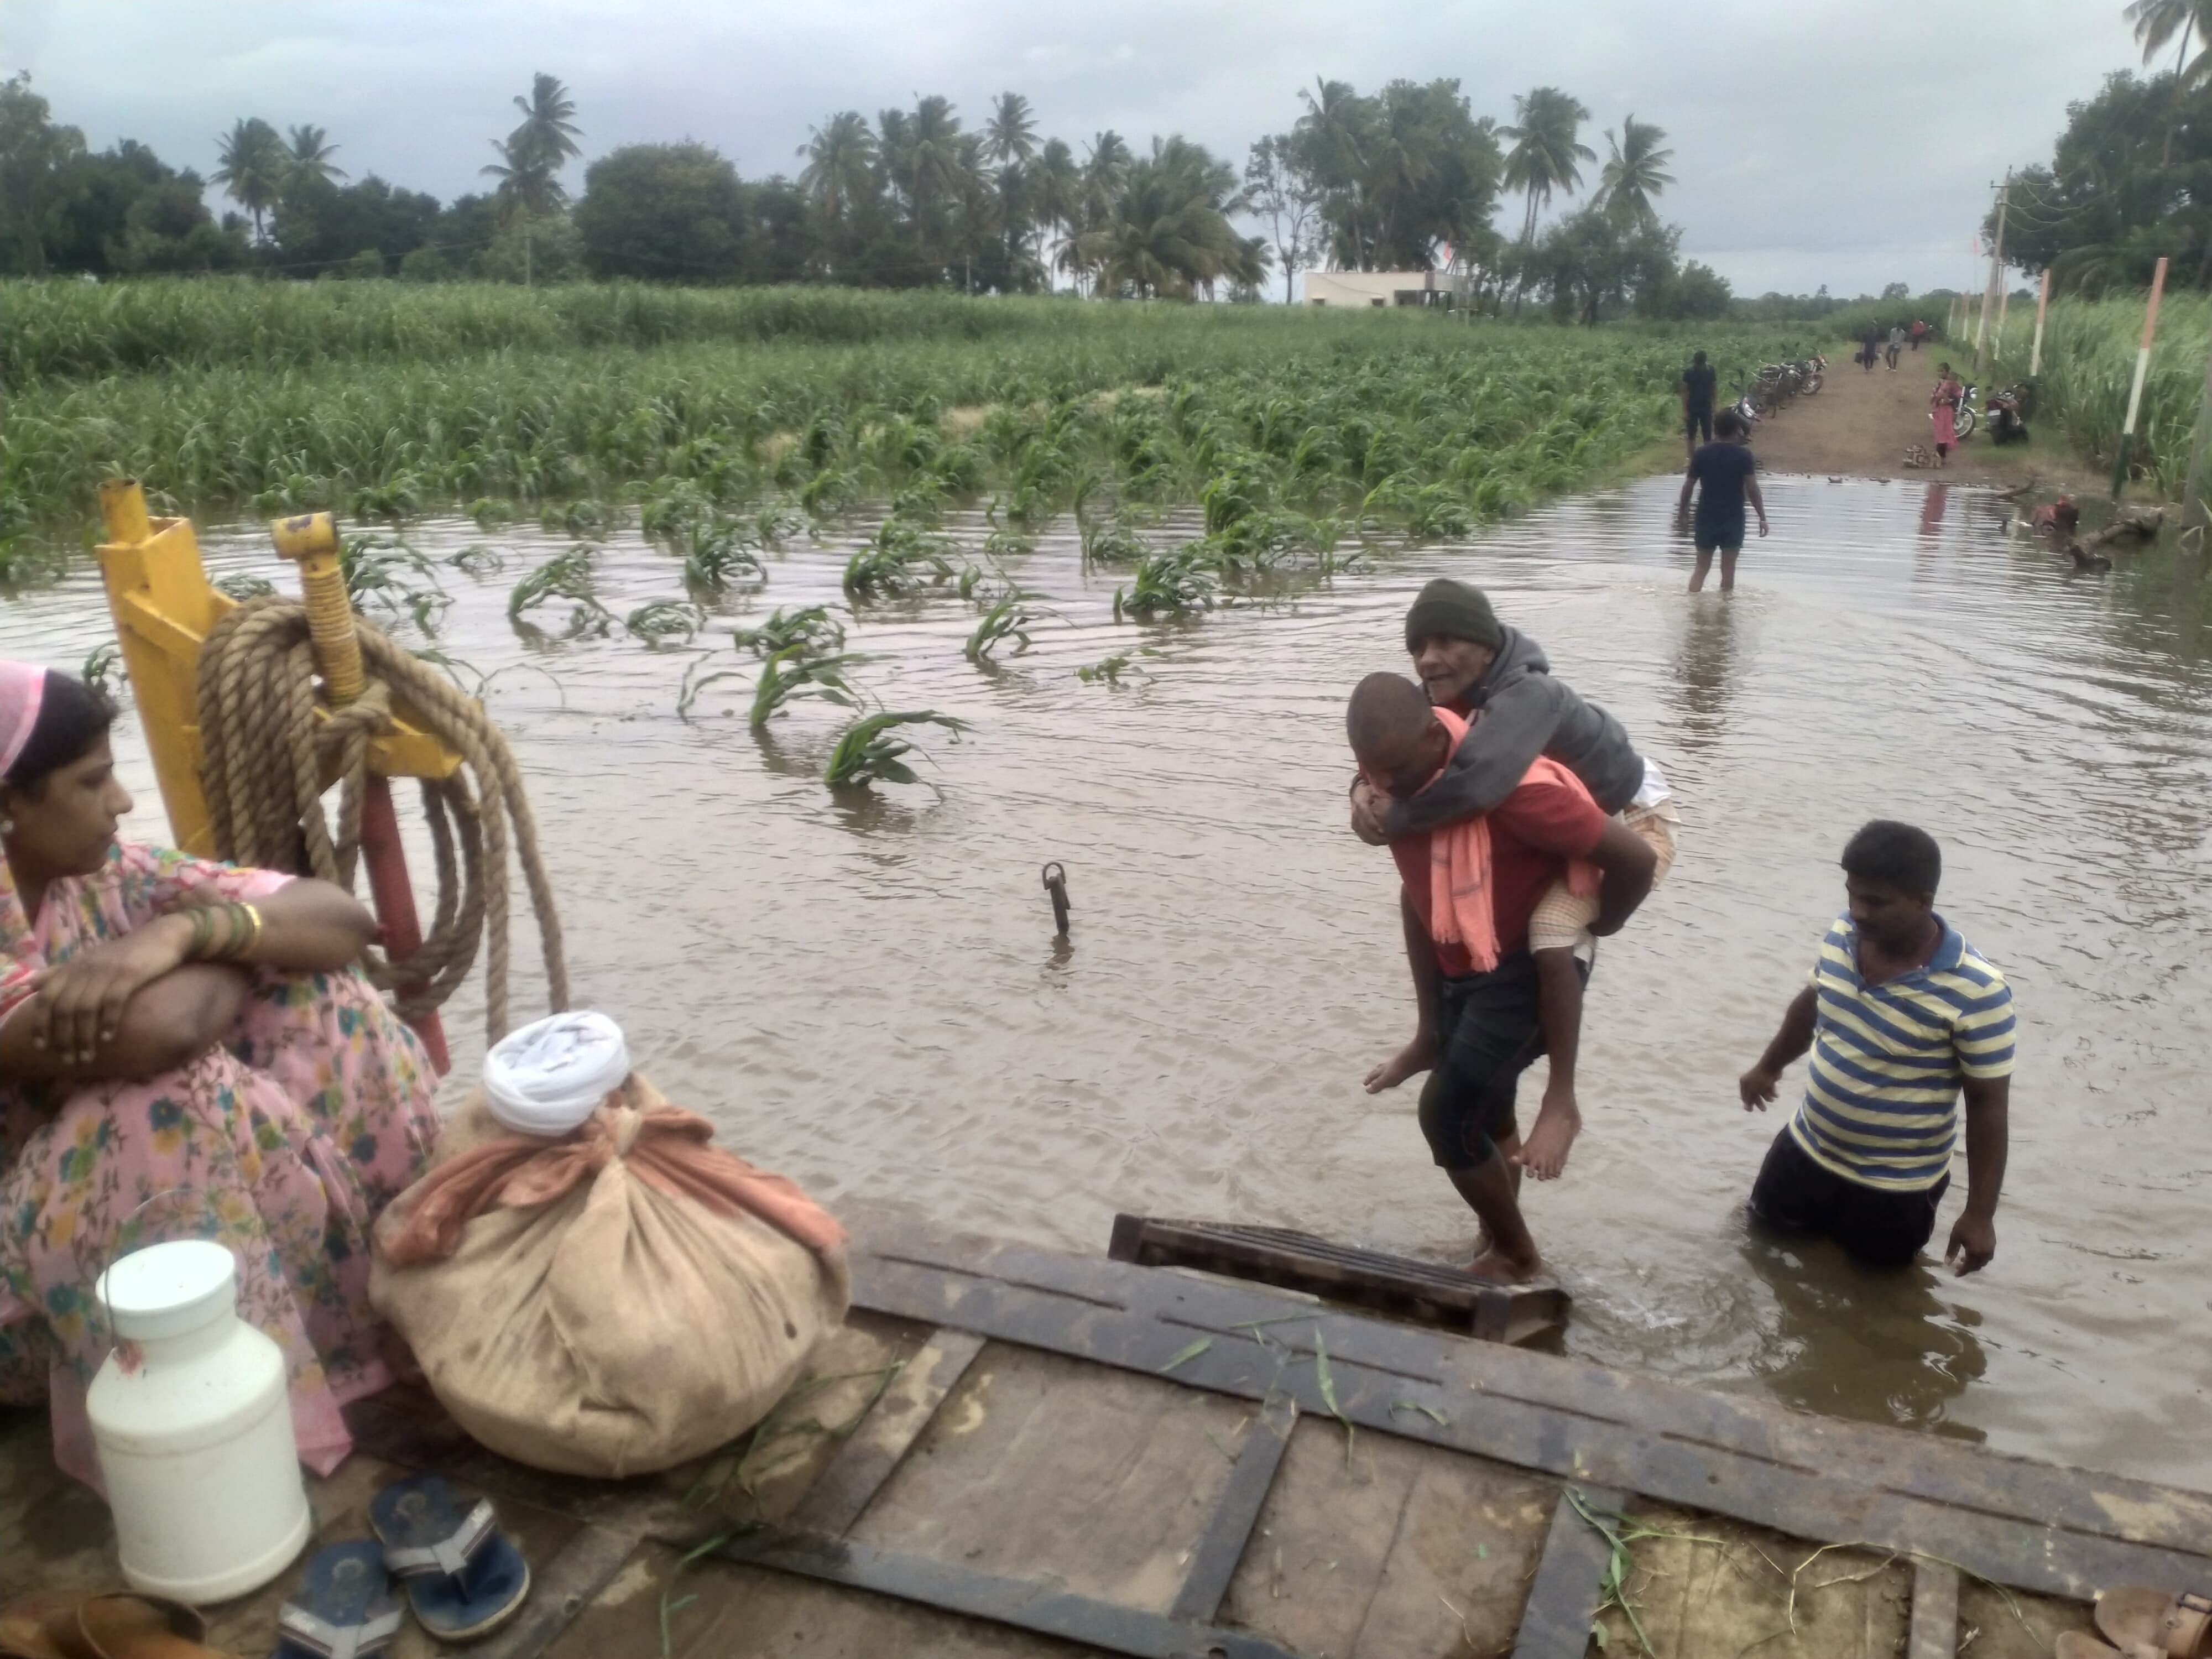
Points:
[[253, 923]]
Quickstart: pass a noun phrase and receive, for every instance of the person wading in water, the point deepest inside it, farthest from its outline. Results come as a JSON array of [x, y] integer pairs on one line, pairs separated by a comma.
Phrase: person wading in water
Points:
[[1901, 1015], [1723, 474], [1468, 892]]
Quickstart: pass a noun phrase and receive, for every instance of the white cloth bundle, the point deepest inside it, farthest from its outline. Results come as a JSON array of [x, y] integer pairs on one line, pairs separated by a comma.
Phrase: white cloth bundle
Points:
[[549, 1077]]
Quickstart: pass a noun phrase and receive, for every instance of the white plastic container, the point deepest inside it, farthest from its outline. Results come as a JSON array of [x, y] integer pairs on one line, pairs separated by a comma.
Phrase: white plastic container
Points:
[[193, 1424]]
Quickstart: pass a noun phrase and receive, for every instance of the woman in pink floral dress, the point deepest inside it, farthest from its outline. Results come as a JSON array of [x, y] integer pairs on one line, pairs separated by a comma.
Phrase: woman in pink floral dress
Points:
[[186, 1052]]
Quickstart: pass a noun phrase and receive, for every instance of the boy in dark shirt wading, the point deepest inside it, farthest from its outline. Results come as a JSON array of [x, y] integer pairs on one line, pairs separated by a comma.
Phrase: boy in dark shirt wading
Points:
[[1721, 472]]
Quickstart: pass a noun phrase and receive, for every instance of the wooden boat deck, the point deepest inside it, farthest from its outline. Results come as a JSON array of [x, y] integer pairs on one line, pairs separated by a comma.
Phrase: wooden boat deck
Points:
[[1013, 1452]]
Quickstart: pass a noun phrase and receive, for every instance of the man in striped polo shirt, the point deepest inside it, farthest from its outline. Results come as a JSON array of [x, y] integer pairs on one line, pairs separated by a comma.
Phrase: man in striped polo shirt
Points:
[[1901, 1015]]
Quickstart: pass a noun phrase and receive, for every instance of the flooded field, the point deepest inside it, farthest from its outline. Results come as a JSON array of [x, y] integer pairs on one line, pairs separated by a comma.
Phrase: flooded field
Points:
[[865, 992]]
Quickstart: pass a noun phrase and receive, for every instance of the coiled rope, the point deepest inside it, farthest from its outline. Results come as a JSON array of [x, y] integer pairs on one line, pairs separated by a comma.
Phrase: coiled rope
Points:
[[266, 756]]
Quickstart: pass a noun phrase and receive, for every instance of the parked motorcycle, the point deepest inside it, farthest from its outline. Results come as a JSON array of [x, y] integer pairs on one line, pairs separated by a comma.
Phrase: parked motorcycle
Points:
[[1964, 418], [2005, 415]]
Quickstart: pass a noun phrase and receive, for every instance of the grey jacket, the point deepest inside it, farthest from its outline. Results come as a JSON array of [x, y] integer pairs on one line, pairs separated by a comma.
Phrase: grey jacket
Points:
[[1525, 712]]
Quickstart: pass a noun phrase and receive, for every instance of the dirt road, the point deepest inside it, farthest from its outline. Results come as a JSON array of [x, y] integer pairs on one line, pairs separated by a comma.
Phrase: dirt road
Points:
[[1859, 424]]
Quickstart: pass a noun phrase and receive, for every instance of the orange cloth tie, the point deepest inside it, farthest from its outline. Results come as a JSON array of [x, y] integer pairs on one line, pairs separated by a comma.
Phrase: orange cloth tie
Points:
[[669, 1150]]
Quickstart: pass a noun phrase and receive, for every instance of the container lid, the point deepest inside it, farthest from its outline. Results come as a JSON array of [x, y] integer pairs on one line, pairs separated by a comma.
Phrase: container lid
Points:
[[165, 1289]]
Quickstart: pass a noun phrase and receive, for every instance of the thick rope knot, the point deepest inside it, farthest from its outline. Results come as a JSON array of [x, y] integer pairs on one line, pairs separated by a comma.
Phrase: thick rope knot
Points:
[[272, 749]]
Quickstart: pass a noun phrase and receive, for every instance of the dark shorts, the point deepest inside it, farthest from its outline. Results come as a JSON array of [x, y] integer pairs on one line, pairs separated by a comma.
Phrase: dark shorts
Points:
[[1726, 538], [1794, 1194], [1490, 1033], [1698, 425]]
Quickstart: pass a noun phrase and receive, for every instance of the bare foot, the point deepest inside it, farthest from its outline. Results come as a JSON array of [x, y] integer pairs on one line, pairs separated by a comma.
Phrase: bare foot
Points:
[[1416, 1057], [1499, 1268], [1544, 1155]]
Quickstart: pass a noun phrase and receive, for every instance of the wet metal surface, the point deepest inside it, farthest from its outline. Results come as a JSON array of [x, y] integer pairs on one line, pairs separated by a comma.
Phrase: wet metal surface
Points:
[[867, 993]]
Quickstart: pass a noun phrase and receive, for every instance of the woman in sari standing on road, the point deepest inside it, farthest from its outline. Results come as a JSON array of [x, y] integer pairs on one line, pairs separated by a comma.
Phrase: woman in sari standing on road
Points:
[[186, 1052], [1944, 411]]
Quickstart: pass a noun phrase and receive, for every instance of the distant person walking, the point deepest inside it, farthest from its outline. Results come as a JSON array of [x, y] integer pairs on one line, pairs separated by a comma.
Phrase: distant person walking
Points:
[[1869, 346], [1698, 381], [1919, 332], [1722, 473], [1896, 346], [1943, 411]]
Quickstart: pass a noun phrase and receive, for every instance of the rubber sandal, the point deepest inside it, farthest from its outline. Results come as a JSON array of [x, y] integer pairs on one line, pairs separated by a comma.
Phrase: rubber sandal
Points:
[[464, 1577], [2072, 1645], [2158, 1624], [71, 1624], [42, 1626], [343, 1608], [124, 1627]]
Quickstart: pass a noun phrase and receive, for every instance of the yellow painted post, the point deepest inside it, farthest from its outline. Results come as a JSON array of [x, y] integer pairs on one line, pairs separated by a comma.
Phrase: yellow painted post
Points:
[[163, 606], [311, 541]]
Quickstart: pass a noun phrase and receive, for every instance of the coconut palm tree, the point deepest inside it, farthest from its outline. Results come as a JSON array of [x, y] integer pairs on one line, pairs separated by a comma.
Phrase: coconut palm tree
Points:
[[1635, 173], [548, 122], [2158, 22], [1167, 233], [250, 166], [309, 157], [1545, 157], [924, 155], [841, 166], [532, 156], [1057, 201], [1009, 134], [1334, 134], [1546, 148]]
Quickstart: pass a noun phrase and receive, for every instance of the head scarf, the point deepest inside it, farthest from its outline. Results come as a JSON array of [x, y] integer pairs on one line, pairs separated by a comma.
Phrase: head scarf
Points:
[[22, 688]]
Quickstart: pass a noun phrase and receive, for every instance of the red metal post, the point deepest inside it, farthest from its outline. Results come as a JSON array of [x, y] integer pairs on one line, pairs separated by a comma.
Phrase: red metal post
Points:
[[394, 896]]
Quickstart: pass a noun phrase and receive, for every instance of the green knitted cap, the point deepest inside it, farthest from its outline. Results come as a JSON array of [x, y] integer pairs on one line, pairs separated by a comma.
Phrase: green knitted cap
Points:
[[1455, 610]]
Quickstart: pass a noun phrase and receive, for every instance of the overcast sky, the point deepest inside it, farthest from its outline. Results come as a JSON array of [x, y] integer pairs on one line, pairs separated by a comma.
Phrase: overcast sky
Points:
[[1845, 142]]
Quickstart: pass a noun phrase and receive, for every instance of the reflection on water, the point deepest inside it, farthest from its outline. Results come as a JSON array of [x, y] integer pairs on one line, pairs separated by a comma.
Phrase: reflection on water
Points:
[[1845, 1341], [1938, 497], [865, 990], [1704, 671]]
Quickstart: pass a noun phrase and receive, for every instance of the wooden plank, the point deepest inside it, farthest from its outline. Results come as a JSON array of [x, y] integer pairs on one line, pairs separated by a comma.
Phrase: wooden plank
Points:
[[1238, 1512], [1371, 1547], [559, 1590], [1024, 1603], [1427, 1291], [2032, 1526], [1034, 1449], [1564, 1600], [1934, 1611], [893, 1424]]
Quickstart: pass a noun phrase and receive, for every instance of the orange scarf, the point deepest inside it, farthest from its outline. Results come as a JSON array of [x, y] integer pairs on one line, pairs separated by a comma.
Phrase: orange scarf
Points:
[[1461, 907]]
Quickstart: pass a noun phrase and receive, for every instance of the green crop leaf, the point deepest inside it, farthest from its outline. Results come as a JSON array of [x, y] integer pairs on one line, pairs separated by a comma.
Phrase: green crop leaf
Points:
[[1190, 1353]]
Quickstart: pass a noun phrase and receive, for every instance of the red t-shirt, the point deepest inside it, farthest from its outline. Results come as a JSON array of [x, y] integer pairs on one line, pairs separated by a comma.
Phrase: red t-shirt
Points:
[[1547, 821]]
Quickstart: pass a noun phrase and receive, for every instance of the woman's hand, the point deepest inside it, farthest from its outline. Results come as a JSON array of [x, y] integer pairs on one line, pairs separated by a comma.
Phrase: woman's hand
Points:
[[78, 1008]]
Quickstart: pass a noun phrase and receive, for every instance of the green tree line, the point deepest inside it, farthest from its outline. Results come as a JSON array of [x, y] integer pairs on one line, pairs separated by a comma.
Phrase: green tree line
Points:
[[2129, 179], [1406, 178]]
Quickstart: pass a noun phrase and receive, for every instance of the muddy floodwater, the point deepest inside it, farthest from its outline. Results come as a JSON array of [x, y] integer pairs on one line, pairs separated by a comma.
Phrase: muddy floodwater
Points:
[[867, 993]]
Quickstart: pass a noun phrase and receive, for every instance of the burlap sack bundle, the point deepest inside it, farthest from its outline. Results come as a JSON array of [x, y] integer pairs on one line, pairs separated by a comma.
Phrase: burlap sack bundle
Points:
[[613, 1302]]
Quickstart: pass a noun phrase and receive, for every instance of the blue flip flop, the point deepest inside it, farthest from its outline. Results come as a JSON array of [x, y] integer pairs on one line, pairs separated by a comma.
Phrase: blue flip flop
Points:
[[344, 1608], [464, 1577]]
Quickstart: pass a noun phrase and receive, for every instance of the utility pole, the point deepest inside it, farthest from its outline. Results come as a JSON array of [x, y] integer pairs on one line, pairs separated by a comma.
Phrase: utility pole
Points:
[[2143, 367], [2042, 306], [1996, 276]]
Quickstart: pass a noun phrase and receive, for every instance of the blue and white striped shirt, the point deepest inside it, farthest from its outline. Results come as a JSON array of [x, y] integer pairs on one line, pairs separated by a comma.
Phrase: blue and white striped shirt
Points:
[[1882, 1100]]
